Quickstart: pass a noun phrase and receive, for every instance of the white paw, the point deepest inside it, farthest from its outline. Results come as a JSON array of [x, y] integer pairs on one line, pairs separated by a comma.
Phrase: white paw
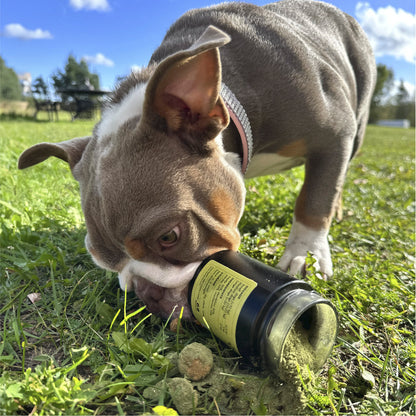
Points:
[[303, 239]]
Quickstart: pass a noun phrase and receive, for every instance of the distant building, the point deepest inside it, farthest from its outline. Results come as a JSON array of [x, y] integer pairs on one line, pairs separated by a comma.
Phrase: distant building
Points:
[[394, 123], [26, 82]]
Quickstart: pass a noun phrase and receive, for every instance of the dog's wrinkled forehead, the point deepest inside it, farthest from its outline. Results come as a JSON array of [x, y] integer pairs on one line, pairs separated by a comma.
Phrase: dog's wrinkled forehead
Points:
[[128, 160], [137, 168]]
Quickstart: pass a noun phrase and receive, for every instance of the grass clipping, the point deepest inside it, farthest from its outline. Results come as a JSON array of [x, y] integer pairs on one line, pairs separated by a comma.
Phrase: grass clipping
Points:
[[247, 393]]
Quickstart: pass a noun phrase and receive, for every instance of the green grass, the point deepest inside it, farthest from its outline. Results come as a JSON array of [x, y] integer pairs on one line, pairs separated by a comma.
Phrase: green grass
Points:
[[80, 350]]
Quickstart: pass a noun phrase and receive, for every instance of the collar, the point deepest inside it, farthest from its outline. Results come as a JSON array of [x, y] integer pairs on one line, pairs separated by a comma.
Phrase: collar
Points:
[[239, 117]]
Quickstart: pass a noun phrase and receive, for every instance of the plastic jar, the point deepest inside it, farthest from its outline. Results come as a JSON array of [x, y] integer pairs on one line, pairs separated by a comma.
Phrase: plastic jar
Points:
[[257, 309]]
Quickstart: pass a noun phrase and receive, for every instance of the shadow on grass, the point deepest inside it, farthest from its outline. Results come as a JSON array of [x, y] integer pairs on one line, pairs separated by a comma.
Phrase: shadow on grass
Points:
[[19, 117]]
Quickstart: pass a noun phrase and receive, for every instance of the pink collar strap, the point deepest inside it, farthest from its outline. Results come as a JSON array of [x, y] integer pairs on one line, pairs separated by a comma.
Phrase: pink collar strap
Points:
[[241, 121]]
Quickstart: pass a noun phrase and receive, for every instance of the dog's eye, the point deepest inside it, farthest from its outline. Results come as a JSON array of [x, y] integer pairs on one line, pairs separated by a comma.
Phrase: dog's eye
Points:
[[170, 238]]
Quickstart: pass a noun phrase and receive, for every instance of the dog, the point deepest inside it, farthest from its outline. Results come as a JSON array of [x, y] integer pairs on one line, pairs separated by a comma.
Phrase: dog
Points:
[[233, 91]]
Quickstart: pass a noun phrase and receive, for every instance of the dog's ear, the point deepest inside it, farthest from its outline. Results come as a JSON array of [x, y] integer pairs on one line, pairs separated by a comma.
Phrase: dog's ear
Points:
[[185, 90], [70, 151]]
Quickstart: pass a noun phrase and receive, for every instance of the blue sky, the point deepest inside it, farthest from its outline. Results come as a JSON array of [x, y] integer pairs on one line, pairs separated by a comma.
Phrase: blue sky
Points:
[[115, 35]]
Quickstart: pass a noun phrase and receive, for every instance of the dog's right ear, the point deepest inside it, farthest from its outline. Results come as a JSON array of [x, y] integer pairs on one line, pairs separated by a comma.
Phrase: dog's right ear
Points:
[[70, 151]]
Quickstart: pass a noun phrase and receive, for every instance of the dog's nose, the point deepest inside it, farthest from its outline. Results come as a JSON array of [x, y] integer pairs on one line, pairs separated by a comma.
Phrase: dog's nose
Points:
[[151, 291], [150, 294]]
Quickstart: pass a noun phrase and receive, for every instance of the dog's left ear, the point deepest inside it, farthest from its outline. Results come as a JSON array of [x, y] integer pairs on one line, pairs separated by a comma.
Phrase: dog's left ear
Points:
[[185, 90], [70, 151]]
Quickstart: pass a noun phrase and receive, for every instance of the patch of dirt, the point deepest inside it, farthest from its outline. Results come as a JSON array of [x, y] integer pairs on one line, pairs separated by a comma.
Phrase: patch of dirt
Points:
[[243, 394], [225, 393]]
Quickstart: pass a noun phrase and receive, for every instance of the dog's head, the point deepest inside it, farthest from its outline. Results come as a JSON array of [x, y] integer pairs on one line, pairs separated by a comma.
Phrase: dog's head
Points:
[[158, 191]]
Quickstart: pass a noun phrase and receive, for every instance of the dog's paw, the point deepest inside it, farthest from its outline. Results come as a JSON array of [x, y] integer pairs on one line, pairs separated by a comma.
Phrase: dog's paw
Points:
[[303, 240]]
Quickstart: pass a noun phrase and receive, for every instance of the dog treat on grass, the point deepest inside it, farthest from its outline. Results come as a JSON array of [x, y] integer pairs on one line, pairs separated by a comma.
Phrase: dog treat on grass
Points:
[[195, 361], [184, 397]]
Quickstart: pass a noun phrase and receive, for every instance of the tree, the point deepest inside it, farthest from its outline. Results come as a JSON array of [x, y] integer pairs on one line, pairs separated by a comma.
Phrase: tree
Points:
[[383, 86], [405, 106], [10, 88], [76, 76], [40, 89]]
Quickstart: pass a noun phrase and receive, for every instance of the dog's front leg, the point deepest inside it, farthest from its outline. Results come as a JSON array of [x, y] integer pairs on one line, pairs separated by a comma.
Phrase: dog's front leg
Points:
[[315, 206]]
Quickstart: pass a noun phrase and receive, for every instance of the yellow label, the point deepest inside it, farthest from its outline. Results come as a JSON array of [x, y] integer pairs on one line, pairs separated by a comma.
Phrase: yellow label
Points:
[[218, 296]]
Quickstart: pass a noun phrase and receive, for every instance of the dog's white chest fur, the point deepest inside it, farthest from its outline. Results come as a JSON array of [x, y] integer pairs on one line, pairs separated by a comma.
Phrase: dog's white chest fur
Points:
[[271, 163]]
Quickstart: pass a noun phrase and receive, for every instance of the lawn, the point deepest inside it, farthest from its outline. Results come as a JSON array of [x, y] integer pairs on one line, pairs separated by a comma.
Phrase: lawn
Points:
[[73, 343]]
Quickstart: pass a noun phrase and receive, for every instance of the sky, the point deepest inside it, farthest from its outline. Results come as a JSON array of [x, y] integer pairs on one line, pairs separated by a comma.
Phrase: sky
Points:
[[115, 36]]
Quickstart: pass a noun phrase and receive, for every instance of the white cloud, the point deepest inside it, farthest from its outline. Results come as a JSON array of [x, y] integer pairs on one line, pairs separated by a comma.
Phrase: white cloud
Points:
[[100, 5], [391, 31], [98, 59], [16, 30]]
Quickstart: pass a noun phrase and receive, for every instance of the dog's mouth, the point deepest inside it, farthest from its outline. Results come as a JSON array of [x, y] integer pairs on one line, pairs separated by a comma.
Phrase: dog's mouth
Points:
[[163, 288], [163, 301]]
